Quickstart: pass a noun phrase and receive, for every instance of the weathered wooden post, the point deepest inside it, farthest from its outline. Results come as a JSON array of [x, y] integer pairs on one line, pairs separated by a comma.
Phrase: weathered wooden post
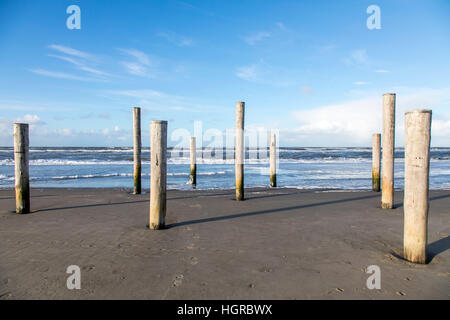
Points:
[[417, 165], [376, 142], [239, 151], [273, 161], [21, 167], [137, 149], [387, 181], [193, 175], [158, 174]]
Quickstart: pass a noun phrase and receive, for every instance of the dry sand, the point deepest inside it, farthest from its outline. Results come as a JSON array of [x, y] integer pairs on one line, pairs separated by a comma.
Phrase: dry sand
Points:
[[278, 244]]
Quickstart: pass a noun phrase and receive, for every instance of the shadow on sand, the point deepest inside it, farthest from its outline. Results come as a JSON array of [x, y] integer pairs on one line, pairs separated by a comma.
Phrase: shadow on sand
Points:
[[437, 247], [240, 215]]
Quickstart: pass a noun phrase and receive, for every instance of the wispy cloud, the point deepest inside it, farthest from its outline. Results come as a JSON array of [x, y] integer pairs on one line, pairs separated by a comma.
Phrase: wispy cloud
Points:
[[248, 73], [159, 101], [81, 60], [70, 51], [263, 73], [253, 38], [382, 71], [357, 57], [176, 39], [140, 56], [62, 75], [81, 65], [141, 64], [360, 83]]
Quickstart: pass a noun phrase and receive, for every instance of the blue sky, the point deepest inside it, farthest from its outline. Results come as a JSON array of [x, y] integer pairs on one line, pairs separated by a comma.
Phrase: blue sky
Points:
[[311, 69]]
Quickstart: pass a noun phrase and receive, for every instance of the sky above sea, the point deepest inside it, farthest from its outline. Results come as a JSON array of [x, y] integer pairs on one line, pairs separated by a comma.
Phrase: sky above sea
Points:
[[312, 70]]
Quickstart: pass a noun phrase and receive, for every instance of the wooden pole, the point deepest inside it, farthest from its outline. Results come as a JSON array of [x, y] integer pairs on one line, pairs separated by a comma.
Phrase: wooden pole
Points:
[[21, 167], [387, 188], [158, 174], [273, 161], [193, 175], [417, 166], [239, 151], [376, 143], [137, 149]]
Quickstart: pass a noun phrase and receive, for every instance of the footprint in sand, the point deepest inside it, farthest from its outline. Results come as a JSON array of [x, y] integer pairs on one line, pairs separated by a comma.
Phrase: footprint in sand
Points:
[[178, 280], [194, 260]]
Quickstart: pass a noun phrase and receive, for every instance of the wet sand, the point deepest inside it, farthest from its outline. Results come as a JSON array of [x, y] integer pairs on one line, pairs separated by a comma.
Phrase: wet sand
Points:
[[278, 244]]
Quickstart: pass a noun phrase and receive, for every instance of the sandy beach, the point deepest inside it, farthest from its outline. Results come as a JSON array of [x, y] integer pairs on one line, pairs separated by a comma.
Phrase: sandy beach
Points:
[[277, 244]]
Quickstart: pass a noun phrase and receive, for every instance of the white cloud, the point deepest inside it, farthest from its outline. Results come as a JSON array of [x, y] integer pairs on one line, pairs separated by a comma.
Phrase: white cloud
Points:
[[351, 123], [80, 65], [159, 101], [70, 51], [135, 68], [248, 73], [357, 58], [252, 39], [360, 83], [140, 56], [141, 65], [61, 75], [263, 73], [382, 71]]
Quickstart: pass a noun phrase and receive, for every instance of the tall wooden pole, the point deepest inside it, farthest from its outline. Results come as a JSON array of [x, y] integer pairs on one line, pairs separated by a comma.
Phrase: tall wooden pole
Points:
[[158, 174], [239, 151], [273, 161], [376, 142], [137, 149], [387, 188], [417, 167], [21, 167], [193, 175]]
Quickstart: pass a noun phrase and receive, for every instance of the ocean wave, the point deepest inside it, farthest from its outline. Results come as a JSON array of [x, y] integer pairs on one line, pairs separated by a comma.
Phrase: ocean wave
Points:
[[186, 161]]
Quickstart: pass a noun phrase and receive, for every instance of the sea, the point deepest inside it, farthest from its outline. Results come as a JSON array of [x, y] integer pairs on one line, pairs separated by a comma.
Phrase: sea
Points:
[[298, 167]]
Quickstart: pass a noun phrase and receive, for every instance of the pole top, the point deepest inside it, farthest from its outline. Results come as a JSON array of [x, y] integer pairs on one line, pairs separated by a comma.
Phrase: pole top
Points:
[[136, 107], [240, 102], [20, 124], [158, 121], [389, 94], [376, 134], [419, 111]]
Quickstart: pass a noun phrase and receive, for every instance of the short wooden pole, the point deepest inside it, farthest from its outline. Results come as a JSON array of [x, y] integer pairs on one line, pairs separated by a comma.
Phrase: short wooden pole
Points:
[[21, 167], [273, 161], [376, 144], [137, 149], [239, 151], [417, 166], [193, 175], [158, 174], [387, 188]]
